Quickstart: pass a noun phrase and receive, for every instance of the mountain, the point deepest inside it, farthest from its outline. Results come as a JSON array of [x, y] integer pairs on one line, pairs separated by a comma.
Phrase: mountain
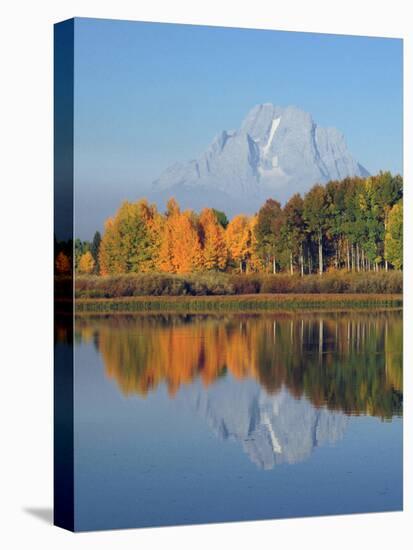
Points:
[[277, 152], [272, 429]]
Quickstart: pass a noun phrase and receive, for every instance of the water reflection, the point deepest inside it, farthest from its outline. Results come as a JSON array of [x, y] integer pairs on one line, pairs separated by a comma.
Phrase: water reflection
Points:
[[272, 429], [348, 362], [203, 418]]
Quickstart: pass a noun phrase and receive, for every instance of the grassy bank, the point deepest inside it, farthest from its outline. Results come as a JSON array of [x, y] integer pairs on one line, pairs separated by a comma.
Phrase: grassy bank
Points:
[[232, 284], [251, 302]]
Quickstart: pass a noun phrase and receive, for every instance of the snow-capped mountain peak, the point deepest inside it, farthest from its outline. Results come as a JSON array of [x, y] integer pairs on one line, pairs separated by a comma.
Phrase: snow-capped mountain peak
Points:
[[276, 152]]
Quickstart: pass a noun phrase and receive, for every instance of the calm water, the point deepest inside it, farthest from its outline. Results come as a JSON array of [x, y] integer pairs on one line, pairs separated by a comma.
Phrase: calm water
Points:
[[197, 418]]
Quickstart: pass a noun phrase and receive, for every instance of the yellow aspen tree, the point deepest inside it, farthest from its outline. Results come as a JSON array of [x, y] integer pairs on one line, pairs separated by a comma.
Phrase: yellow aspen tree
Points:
[[129, 244], [394, 236], [214, 249], [107, 248], [238, 237], [86, 263], [255, 263]]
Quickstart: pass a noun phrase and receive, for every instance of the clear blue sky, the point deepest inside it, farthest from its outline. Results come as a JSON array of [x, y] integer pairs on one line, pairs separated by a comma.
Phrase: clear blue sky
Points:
[[148, 95]]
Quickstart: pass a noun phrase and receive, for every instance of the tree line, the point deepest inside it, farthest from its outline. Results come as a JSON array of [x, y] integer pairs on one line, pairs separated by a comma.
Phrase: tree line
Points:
[[355, 224]]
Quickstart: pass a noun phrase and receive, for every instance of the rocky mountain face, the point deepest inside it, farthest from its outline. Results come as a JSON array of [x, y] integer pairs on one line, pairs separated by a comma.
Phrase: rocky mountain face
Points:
[[272, 429], [276, 153]]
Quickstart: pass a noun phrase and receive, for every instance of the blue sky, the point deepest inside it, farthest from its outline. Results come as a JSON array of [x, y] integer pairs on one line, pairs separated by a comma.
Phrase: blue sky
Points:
[[148, 95]]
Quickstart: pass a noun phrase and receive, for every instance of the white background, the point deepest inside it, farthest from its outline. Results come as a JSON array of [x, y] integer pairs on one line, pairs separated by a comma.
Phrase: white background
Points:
[[26, 276]]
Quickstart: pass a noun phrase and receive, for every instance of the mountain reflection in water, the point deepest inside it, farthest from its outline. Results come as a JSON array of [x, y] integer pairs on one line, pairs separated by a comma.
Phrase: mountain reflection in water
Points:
[[272, 429]]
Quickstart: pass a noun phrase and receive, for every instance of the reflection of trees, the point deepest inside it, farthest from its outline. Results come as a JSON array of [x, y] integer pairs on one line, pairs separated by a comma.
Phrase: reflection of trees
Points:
[[350, 364], [347, 361], [63, 329]]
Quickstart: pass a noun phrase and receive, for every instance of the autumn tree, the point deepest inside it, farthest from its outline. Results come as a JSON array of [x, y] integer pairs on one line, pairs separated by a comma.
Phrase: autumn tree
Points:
[[80, 248], [180, 246], [166, 252], [255, 262], [128, 244], [62, 263], [214, 247], [86, 263], [187, 253], [107, 250], [153, 222], [394, 236], [238, 237]]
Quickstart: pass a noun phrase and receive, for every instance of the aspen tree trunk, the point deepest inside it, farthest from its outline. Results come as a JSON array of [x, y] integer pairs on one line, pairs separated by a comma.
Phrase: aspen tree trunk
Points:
[[348, 256], [339, 252], [320, 253], [240, 266], [302, 260], [386, 263], [274, 270], [291, 264]]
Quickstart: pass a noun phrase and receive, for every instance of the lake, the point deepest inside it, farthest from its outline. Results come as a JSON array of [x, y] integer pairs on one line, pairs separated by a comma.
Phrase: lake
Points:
[[184, 419]]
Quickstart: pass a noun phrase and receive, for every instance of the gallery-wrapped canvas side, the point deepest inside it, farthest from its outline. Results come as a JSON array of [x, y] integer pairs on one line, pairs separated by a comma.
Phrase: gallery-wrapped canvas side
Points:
[[63, 274]]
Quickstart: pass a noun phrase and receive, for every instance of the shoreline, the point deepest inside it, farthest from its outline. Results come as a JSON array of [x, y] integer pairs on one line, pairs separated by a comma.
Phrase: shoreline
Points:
[[237, 303]]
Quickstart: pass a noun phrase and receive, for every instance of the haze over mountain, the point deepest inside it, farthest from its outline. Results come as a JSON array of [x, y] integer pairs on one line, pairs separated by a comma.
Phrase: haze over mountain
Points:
[[277, 152]]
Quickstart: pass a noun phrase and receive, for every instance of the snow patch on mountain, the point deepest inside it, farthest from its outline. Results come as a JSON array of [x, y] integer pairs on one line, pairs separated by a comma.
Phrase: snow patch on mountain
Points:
[[274, 125]]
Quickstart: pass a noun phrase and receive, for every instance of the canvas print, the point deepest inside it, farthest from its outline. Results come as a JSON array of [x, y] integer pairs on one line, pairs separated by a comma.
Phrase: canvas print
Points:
[[228, 274]]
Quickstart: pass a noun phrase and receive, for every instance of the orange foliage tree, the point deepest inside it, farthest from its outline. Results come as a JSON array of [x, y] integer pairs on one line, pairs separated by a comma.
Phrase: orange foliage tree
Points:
[[180, 246], [62, 263], [239, 241], [214, 246]]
